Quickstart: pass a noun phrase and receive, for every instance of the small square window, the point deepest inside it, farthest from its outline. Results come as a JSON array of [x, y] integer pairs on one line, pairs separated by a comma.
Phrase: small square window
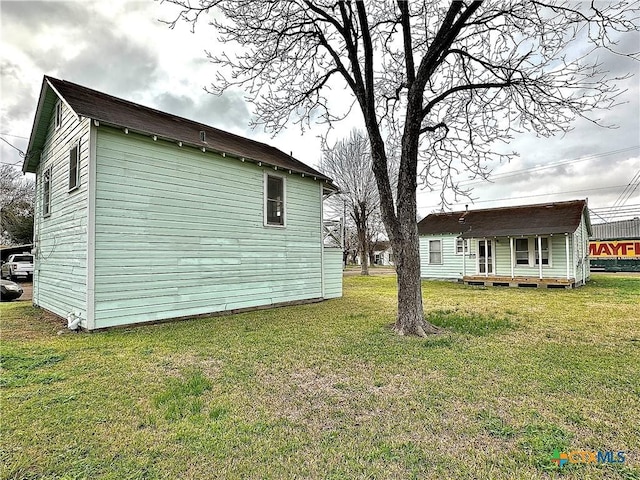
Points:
[[274, 200], [462, 246], [46, 192], [74, 167], [57, 119]]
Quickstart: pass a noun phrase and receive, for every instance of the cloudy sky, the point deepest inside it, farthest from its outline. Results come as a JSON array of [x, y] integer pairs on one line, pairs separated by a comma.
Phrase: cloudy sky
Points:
[[121, 48]]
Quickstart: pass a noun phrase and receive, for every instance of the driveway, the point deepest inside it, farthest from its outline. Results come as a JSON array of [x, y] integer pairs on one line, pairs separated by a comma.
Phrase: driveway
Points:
[[27, 294]]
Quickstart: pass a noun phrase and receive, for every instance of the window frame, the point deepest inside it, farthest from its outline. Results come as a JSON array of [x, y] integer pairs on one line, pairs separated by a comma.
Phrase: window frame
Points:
[[47, 181], [515, 251], [266, 200], [548, 250], [467, 252], [76, 149], [431, 251], [57, 115]]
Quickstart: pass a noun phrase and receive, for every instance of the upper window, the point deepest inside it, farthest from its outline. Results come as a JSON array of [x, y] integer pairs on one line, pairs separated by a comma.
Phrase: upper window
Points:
[[57, 119], [435, 252], [462, 246], [274, 200], [46, 192], [545, 251], [522, 251], [74, 166]]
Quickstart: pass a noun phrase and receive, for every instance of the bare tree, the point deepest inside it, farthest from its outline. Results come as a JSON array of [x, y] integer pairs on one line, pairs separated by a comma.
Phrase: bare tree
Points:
[[16, 206], [446, 82], [348, 163]]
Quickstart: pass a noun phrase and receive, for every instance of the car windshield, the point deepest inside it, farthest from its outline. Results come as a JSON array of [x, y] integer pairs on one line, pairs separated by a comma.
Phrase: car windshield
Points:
[[23, 259]]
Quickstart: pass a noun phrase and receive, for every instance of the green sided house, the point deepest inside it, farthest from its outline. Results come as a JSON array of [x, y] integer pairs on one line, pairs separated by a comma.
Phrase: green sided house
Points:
[[143, 216], [545, 245]]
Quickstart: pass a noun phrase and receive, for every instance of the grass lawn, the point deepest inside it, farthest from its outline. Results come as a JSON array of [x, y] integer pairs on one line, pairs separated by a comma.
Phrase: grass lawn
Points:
[[329, 391]]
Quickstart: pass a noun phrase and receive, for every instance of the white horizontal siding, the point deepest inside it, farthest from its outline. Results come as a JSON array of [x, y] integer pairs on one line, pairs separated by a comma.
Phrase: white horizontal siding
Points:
[[557, 267], [60, 238], [180, 232], [452, 264]]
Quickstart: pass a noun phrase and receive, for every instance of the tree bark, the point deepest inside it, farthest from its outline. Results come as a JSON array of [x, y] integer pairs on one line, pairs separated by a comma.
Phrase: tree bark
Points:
[[410, 319]]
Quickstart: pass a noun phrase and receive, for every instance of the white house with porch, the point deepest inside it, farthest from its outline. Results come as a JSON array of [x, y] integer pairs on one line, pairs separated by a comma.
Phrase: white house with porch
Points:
[[543, 245]]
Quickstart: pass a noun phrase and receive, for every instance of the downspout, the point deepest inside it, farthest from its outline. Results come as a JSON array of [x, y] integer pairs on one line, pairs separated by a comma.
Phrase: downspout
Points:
[[464, 257]]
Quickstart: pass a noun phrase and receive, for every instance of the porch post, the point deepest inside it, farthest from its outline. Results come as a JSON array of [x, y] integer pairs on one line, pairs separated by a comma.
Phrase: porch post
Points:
[[486, 258], [511, 256], [540, 254], [566, 249]]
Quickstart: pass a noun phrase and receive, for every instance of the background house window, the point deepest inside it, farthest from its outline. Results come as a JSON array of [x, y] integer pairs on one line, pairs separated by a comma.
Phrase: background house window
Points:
[[545, 251], [74, 166], [460, 244], [435, 252], [275, 200], [46, 192], [522, 251], [57, 117]]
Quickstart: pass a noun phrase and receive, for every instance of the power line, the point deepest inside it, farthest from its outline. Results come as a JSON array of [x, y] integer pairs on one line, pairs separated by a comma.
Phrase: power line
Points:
[[14, 136], [532, 196], [13, 146], [536, 168]]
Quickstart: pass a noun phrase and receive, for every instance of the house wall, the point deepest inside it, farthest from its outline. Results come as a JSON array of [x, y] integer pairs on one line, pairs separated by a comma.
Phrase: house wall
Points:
[[332, 272], [452, 263], [60, 276], [180, 232]]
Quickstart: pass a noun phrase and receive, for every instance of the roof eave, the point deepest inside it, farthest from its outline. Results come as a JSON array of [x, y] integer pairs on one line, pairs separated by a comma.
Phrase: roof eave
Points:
[[328, 183], [40, 123]]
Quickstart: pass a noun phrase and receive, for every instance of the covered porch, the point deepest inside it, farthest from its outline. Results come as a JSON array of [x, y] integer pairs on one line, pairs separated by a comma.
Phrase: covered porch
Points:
[[535, 261]]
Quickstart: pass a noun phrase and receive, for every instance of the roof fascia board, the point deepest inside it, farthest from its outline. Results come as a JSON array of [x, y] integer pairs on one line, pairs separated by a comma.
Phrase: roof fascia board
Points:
[[36, 122], [38, 118], [63, 99]]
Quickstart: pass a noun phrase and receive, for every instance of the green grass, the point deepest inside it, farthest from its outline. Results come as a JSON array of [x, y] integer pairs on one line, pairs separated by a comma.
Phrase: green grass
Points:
[[329, 391]]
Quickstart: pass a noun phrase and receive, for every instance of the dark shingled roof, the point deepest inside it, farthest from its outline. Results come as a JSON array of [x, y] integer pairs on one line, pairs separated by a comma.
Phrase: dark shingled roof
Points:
[[117, 112], [541, 219]]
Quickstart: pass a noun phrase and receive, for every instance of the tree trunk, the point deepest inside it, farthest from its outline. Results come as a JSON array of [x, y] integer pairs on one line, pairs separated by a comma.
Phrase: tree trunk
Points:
[[364, 254], [410, 319]]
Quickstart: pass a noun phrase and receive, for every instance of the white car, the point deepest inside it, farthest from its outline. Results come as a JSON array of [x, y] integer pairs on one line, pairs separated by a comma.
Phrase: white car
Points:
[[18, 265]]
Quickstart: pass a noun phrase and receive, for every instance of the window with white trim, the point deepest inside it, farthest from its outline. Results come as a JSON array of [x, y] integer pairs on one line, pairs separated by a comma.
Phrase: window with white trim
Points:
[[57, 116], [74, 167], [435, 252], [522, 251], [274, 202], [462, 244], [545, 251], [46, 192]]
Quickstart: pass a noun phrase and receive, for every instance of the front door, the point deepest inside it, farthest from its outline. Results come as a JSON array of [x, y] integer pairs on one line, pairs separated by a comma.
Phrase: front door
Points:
[[485, 257]]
